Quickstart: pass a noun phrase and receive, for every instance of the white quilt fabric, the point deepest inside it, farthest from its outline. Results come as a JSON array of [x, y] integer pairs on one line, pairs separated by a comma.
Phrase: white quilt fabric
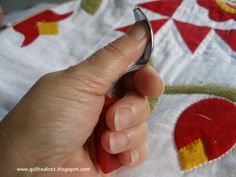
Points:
[[213, 62]]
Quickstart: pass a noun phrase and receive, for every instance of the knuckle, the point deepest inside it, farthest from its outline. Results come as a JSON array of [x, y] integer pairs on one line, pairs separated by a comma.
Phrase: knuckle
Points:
[[116, 49]]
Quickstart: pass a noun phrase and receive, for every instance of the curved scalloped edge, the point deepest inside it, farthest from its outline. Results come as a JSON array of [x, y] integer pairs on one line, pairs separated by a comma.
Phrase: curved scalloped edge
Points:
[[208, 162]]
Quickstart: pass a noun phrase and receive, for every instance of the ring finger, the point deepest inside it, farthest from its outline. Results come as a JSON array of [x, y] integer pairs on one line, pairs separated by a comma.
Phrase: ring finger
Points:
[[122, 141]]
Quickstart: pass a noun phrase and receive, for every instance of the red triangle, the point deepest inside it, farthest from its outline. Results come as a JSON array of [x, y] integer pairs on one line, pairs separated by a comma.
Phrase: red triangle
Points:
[[124, 29], [229, 36], [192, 35], [163, 7], [156, 25]]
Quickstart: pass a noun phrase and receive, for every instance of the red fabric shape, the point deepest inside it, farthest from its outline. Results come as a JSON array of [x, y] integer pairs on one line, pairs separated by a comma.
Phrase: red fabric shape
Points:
[[163, 7], [215, 12], [229, 36], [156, 25], [29, 27], [193, 35], [213, 121]]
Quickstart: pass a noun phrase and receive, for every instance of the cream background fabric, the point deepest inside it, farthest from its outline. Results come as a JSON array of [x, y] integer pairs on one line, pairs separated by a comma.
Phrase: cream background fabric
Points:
[[81, 34]]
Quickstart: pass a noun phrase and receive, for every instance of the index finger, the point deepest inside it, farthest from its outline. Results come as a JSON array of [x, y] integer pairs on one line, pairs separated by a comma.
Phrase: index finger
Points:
[[146, 81]]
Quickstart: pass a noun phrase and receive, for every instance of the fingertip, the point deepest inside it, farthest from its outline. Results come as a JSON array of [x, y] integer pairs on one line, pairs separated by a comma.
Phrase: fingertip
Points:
[[105, 141], [133, 157], [110, 118], [128, 112], [148, 82], [114, 142]]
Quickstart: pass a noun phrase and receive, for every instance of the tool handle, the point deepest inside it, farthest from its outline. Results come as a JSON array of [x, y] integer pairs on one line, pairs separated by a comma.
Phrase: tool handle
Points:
[[107, 162]]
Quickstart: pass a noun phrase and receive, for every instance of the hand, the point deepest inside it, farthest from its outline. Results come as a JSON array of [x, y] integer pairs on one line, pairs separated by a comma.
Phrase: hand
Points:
[[51, 125], [1, 15]]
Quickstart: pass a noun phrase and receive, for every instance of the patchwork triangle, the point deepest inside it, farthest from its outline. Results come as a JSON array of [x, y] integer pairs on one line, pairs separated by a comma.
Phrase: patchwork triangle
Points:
[[229, 36], [163, 7], [193, 35], [156, 25]]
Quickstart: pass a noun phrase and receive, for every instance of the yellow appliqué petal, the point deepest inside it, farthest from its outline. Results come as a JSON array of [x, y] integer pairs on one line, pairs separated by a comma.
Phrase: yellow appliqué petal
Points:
[[226, 7], [192, 155], [48, 28]]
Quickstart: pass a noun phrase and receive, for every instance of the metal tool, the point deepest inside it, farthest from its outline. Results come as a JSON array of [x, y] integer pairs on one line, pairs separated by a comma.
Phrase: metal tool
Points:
[[110, 162], [145, 58]]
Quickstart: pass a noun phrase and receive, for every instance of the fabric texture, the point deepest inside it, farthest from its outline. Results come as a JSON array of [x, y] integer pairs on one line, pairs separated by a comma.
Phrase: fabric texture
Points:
[[194, 51]]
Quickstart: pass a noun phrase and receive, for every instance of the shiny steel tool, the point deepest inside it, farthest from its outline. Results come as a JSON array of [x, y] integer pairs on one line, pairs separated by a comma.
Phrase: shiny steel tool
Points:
[[110, 162], [145, 58]]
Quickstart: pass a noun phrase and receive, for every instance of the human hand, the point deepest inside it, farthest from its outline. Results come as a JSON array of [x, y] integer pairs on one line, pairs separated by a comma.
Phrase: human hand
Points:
[[1, 15], [51, 125]]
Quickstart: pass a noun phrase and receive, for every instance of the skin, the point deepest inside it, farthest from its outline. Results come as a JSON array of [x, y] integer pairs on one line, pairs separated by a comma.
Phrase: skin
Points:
[[1, 14], [52, 125]]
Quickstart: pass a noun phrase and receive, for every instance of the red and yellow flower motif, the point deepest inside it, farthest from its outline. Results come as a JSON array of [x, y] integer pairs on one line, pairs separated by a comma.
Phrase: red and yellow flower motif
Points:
[[44, 23], [220, 10], [205, 131]]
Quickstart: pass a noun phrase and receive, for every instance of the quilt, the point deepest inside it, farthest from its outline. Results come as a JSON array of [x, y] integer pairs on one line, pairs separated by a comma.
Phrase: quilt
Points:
[[193, 125]]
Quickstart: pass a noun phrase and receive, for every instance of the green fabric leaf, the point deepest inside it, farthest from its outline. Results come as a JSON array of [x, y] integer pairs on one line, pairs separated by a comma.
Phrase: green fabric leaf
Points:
[[91, 6], [153, 102]]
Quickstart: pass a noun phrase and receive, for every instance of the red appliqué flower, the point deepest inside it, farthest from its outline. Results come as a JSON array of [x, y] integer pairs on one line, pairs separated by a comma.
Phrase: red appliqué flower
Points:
[[205, 131], [30, 27], [220, 10]]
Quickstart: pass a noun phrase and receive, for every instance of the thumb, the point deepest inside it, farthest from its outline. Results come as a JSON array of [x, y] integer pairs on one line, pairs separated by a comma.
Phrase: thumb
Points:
[[104, 67]]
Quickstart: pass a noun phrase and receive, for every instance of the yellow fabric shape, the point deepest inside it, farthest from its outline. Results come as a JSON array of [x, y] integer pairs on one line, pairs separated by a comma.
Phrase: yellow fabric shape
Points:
[[48, 28], [192, 155], [224, 6]]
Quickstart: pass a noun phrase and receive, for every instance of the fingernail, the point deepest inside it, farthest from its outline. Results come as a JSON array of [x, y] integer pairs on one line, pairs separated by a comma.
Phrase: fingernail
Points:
[[123, 118], [139, 31], [134, 156], [118, 141]]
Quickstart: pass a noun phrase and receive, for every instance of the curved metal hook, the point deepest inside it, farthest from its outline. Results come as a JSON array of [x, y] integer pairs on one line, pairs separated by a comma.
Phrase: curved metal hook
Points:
[[145, 58]]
